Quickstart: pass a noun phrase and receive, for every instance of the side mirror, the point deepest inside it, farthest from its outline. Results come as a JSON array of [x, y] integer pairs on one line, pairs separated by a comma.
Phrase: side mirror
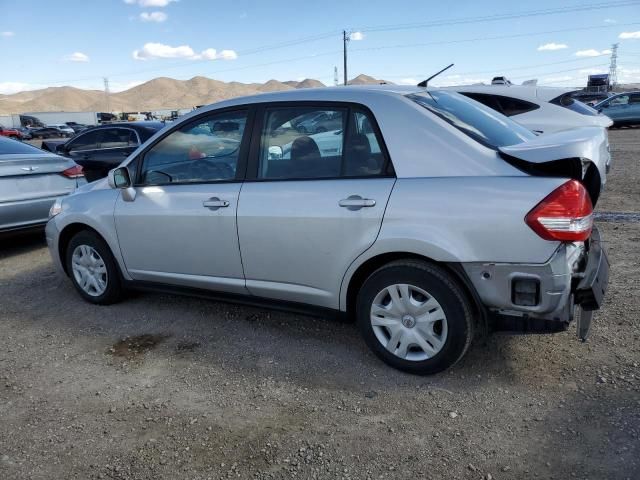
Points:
[[119, 178], [61, 149], [275, 153]]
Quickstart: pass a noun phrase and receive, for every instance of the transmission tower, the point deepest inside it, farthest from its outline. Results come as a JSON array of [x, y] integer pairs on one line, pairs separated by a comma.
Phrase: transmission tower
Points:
[[335, 76], [106, 94], [613, 67]]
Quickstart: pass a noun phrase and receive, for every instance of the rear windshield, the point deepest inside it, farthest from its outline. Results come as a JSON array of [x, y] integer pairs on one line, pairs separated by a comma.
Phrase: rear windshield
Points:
[[14, 147], [483, 124], [567, 101]]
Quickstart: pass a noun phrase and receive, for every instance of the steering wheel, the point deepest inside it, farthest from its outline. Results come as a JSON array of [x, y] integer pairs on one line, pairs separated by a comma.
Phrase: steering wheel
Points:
[[202, 169]]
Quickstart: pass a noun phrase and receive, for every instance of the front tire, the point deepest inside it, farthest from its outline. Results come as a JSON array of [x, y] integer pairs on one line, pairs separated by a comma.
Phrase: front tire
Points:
[[415, 317], [92, 269]]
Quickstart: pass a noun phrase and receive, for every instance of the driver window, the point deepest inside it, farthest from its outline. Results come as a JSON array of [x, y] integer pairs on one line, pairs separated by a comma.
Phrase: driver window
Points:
[[621, 100], [202, 151]]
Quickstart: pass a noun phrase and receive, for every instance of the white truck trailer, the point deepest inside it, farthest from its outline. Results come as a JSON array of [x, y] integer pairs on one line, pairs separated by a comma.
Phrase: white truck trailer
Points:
[[83, 118]]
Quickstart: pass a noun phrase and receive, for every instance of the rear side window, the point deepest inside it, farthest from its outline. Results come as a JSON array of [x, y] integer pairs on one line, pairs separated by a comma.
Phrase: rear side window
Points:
[[13, 147], [86, 141], [486, 126], [117, 138], [508, 106], [317, 142], [567, 101]]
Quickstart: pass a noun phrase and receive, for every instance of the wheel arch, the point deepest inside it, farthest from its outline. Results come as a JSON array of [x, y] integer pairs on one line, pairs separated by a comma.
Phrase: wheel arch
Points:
[[370, 265], [67, 233]]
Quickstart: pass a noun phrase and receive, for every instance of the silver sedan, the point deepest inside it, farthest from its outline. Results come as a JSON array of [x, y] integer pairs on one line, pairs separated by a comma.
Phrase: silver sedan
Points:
[[423, 215], [30, 181]]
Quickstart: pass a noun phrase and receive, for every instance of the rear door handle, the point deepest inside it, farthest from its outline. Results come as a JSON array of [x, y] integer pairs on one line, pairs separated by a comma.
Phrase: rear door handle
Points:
[[215, 203], [356, 202]]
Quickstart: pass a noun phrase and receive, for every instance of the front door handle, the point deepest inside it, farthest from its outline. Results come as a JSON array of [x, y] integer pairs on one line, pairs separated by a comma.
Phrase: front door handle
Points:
[[215, 203], [356, 202]]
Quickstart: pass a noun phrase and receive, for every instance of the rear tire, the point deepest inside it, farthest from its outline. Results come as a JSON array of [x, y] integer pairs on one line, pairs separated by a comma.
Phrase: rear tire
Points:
[[415, 317], [92, 269]]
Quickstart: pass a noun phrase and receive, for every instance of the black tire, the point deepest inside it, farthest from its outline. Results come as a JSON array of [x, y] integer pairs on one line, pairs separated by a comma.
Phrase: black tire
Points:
[[444, 288], [113, 291]]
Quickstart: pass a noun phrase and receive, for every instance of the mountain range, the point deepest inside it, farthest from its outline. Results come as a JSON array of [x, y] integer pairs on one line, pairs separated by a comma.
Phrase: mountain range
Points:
[[157, 94]]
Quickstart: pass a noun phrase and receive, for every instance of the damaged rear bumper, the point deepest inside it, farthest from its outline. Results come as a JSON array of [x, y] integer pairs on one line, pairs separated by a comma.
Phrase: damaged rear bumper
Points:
[[544, 298]]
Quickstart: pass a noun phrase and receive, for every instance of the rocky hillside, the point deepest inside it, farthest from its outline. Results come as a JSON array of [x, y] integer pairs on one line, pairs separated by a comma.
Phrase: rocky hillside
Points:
[[159, 93]]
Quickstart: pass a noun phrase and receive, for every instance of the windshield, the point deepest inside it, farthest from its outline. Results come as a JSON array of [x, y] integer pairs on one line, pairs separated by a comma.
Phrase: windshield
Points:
[[567, 101], [13, 147], [483, 124]]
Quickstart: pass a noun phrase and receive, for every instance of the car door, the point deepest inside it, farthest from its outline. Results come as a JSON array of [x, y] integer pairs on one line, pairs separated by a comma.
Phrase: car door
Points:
[[634, 108], [312, 203], [114, 145], [616, 108], [180, 228]]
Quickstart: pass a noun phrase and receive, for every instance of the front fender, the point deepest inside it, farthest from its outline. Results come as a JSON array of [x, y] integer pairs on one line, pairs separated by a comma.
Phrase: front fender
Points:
[[95, 212]]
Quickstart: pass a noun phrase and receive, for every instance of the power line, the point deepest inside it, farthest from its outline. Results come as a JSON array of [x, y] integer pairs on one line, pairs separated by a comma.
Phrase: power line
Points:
[[326, 35], [509, 68], [498, 17], [497, 37]]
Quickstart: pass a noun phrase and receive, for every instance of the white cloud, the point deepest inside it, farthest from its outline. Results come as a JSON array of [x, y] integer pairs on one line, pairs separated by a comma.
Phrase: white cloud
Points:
[[592, 53], [610, 20], [227, 55], [629, 35], [409, 81], [552, 46], [77, 57], [356, 36], [158, 17], [628, 75], [594, 71], [159, 50], [120, 87], [150, 3], [7, 34], [8, 88], [560, 79]]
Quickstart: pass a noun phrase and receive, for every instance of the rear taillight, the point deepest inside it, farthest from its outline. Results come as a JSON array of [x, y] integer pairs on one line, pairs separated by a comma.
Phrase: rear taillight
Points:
[[566, 214], [73, 172]]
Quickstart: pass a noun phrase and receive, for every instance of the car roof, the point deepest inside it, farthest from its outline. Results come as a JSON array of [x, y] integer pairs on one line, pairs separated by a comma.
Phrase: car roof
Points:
[[350, 93], [523, 92], [136, 125]]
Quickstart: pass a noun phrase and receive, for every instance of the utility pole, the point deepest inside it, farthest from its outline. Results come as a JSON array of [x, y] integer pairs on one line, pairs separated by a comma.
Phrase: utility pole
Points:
[[106, 94], [613, 67], [345, 40]]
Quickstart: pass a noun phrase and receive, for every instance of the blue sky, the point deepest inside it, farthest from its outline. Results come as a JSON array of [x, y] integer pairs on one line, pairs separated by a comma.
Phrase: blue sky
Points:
[[77, 42]]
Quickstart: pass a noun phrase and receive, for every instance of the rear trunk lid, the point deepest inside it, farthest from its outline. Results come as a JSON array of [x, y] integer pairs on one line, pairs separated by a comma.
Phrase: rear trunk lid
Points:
[[581, 154], [29, 176]]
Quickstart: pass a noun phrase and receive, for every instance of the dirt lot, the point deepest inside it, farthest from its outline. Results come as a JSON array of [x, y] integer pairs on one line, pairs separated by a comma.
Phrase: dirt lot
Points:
[[170, 387]]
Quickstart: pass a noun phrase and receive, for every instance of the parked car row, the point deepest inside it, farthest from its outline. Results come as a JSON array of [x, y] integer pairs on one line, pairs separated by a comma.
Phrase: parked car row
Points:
[[30, 181], [422, 213]]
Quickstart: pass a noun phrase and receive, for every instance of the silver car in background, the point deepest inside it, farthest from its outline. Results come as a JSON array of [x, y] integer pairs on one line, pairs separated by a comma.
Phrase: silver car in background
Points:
[[30, 181], [424, 215]]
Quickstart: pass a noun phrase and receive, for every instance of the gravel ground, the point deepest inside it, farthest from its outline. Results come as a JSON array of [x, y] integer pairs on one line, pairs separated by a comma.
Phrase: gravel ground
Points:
[[171, 387]]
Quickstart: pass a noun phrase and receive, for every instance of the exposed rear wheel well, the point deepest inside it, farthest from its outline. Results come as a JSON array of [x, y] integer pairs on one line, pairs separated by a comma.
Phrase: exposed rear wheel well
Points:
[[65, 237], [371, 265]]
